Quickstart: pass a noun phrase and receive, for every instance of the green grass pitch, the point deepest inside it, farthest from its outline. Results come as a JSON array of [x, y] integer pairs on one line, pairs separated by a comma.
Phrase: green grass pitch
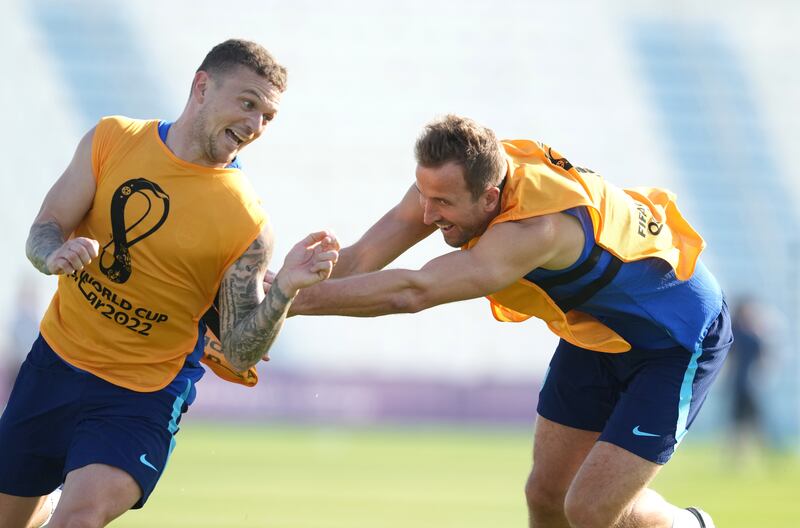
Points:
[[241, 476]]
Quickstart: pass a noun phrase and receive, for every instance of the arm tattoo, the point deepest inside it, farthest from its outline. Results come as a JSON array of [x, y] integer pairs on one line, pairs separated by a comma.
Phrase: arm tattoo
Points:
[[43, 239], [248, 327]]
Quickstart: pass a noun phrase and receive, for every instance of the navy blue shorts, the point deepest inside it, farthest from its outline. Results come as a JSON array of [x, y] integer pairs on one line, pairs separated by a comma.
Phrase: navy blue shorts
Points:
[[642, 400], [59, 419]]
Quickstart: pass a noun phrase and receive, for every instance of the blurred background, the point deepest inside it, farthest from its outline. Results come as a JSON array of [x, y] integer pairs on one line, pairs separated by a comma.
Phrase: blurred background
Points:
[[701, 99]]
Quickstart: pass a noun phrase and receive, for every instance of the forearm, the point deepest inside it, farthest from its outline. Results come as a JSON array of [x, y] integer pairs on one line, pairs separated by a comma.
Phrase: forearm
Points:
[[350, 262], [252, 337], [390, 237], [452, 277], [44, 238], [367, 295]]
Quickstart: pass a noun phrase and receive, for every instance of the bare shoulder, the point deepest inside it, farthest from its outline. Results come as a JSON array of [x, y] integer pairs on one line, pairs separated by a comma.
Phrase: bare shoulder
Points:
[[535, 230], [552, 241]]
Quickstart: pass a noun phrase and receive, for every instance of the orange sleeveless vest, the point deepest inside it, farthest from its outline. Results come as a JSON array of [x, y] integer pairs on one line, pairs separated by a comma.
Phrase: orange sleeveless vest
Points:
[[632, 224], [168, 230]]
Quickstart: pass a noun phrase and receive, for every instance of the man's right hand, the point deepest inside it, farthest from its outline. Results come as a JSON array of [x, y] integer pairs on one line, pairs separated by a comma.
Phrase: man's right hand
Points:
[[72, 256], [310, 261]]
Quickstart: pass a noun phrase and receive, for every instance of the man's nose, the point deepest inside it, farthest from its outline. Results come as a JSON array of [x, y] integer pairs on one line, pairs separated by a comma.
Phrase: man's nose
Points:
[[255, 125], [430, 213]]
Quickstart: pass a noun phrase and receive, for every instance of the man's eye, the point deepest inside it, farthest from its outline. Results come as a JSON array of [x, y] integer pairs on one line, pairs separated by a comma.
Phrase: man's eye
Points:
[[247, 105]]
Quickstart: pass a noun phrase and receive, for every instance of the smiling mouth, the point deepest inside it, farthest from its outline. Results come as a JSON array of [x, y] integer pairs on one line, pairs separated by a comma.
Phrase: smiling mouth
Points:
[[233, 136], [445, 227]]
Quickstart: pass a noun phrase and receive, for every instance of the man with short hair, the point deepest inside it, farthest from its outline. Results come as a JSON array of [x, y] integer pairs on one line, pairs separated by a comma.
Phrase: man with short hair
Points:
[[149, 222], [615, 274]]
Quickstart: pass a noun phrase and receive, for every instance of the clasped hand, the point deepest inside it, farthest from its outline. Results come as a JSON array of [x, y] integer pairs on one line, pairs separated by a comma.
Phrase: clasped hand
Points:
[[72, 256], [310, 261]]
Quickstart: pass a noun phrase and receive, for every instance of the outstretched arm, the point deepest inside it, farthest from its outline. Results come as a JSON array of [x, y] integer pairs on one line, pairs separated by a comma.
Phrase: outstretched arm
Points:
[[398, 230], [505, 253], [393, 234], [63, 208], [249, 320]]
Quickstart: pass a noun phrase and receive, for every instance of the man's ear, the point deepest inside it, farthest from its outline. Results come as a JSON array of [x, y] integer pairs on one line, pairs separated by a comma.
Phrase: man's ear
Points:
[[200, 85], [491, 198]]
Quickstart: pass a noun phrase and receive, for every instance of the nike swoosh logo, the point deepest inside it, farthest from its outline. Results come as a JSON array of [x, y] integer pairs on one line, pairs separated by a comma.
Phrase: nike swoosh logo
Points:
[[143, 460], [639, 432]]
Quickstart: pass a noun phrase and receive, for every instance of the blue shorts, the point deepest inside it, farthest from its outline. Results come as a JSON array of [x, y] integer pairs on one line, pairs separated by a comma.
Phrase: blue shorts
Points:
[[643, 400], [59, 419]]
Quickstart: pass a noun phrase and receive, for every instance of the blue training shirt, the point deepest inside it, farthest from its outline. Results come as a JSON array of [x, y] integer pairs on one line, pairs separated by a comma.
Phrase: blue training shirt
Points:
[[645, 303]]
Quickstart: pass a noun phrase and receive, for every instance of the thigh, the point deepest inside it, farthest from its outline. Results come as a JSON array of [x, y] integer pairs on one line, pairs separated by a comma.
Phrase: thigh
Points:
[[558, 453], [37, 424], [609, 482], [129, 431], [96, 494], [17, 512], [663, 392], [580, 389]]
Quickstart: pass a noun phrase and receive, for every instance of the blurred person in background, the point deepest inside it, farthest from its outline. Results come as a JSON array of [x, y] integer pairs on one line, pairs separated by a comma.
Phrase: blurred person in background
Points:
[[23, 329], [745, 371], [148, 222], [616, 274]]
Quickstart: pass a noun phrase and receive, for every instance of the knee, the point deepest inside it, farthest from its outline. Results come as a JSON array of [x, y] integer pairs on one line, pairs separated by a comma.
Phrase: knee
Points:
[[544, 501], [582, 512], [78, 519]]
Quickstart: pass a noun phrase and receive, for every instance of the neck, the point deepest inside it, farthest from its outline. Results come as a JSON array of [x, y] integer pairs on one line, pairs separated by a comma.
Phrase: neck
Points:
[[182, 142], [491, 217]]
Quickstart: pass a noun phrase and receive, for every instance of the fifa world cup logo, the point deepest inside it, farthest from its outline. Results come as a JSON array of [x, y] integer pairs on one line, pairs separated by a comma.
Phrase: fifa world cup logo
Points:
[[115, 257]]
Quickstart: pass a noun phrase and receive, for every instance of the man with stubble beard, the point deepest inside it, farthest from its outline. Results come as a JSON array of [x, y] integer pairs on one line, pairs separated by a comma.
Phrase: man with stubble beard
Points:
[[148, 224]]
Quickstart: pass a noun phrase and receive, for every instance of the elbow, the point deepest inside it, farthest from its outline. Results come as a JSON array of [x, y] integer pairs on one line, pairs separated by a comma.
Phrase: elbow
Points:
[[237, 365], [233, 357], [30, 246], [411, 300], [29, 250]]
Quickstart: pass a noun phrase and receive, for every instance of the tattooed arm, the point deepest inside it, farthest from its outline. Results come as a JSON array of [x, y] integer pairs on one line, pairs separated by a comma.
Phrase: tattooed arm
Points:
[[63, 208], [249, 320]]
